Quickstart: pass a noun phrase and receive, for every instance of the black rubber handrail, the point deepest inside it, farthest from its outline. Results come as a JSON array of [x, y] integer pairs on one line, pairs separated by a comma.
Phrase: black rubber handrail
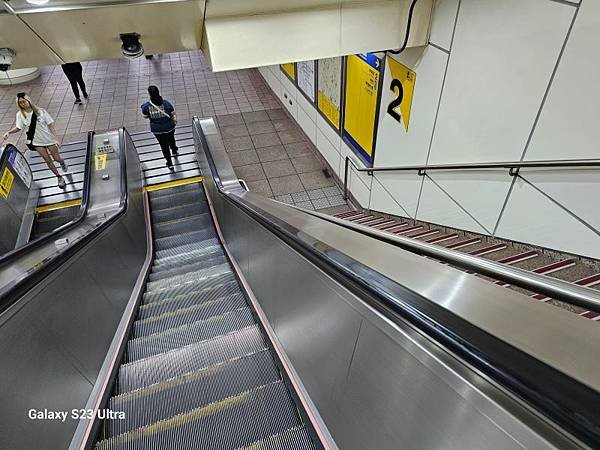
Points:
[[42, 270], [59, 231], [568, 402]]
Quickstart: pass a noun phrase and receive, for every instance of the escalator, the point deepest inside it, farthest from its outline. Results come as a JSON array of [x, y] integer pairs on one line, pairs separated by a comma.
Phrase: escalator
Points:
[[46, 221], [197, 372]]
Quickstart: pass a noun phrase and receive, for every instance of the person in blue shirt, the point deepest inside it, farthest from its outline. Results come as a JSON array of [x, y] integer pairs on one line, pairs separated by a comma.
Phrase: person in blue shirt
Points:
[[162, 122]]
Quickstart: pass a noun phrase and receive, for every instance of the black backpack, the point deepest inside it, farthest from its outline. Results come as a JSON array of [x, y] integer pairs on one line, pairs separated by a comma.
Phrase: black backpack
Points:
[[31, 131]]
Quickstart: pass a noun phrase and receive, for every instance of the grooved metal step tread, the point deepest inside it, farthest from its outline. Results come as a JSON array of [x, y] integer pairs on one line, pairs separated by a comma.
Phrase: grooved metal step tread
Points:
[[292, 439], [177, 280], [191, 298], [154, 369], [187, 251], [168, 201], [181, 269], [192, 390], [181, 316], [183, 225], [247, 417], [189, 333], [175, 190], [187, 238], [209, 277], [184, 210]]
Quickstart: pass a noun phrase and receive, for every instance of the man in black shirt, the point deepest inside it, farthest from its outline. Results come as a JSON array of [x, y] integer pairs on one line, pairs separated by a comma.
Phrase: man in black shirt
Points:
[[74, 71]]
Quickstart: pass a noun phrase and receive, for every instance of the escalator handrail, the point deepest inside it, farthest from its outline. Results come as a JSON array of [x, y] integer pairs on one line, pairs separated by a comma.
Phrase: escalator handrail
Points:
[[511, 367], [59, 231], [45, 267]]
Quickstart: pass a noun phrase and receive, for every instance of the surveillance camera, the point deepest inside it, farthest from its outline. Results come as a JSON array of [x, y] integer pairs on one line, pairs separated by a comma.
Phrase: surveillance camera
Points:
[[132, 47], [7, 57]]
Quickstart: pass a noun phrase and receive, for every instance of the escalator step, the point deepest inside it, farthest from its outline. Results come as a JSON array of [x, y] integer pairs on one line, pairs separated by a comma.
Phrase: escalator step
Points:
[[178, 254], [181, 269], [185, 225], [201, 295], [292, 439], [179, 240], [202, 311], [171, 200], [207, 278], [191, 390], [175, 190], [177, 212], [233, 422], [189, 333], [177, 280], [154, 369]]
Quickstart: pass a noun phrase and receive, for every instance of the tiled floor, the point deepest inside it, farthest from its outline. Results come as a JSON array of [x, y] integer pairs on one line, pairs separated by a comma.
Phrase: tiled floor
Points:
[[268, 150]]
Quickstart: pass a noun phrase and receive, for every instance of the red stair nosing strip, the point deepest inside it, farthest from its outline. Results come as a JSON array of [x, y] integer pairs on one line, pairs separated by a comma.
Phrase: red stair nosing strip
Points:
[[358, 217], [520, 257], [346, 214], [374, 223], [383, 225], [584, 282], [422, 234], [547, 269], [465, 243], [408, 230], [395, 227], [592, 315], [487, 250], [367, 220], [438, 239]]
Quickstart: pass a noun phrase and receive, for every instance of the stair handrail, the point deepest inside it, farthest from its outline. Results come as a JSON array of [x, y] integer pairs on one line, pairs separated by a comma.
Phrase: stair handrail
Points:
[[513, 167]]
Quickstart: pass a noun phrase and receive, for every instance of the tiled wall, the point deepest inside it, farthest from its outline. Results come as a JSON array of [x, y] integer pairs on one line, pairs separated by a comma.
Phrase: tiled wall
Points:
[[501, 80]]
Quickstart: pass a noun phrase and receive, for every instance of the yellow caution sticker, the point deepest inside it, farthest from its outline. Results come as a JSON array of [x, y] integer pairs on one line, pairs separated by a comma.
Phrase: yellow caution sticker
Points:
[[403, 87], [6, 182], [101, 161]]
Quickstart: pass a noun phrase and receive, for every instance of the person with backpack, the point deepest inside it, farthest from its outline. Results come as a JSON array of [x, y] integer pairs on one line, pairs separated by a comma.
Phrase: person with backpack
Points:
[[41, 134], [162, 123]]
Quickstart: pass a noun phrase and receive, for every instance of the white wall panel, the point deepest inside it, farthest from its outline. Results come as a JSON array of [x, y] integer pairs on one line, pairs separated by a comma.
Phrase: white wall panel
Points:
[[306, 106], [531, 217], [308, 125], [436, 207], [442, 22], [568, 126], [332, 136], [396, 194], [395, 145], [482, 193], [359, 189], [329, 152], [575, 190], [502, 59]]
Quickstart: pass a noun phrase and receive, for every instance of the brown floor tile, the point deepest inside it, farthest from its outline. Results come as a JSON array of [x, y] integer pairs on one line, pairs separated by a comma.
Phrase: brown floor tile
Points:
[[255, 116], [291, 136], [251, 172], [299, 149], [274, 153], [286, 185], [233, 131], [276, 114], [238, 144], [283, 124], [316, 180], [243, 158], [276, 169], [306, 163], [230, 119], [261, 187], [265, 140], [260, 127]]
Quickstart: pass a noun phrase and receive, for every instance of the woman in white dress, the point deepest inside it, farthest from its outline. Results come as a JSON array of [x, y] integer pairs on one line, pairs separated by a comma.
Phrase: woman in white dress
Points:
[[44, 139]]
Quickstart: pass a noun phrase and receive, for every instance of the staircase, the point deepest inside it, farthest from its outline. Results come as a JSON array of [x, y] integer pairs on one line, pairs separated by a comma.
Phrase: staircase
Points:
[[534, 260], [197, 372]]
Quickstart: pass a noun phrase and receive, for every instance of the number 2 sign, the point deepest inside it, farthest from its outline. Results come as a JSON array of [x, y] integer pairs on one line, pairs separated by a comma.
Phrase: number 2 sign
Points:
[[403, 86]]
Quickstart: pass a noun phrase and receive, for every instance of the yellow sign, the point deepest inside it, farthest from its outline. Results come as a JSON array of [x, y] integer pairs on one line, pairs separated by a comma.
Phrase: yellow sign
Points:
[[290, 69], [360, 113], [329, 110], [101, 161], [403, 87], [6, 182]]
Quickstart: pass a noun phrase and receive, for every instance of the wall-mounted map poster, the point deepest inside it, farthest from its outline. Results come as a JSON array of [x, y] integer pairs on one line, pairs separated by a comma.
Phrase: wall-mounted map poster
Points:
[[329, 86], [363, 74], [306, 78]]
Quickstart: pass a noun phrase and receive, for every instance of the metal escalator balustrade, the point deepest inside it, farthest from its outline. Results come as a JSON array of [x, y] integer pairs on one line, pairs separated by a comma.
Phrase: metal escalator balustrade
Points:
[[197, 371]]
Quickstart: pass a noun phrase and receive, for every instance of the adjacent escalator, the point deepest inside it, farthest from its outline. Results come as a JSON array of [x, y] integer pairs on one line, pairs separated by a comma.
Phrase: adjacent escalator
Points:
[[197, 372], [47, 221]]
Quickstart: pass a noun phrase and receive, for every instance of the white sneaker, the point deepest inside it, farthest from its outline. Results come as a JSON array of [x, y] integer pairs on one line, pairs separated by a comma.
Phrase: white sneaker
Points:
[[61, 183]]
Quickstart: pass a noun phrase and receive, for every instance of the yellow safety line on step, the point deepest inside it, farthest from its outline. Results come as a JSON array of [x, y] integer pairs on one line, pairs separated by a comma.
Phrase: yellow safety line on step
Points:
[[171, 184], [59, 205]]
